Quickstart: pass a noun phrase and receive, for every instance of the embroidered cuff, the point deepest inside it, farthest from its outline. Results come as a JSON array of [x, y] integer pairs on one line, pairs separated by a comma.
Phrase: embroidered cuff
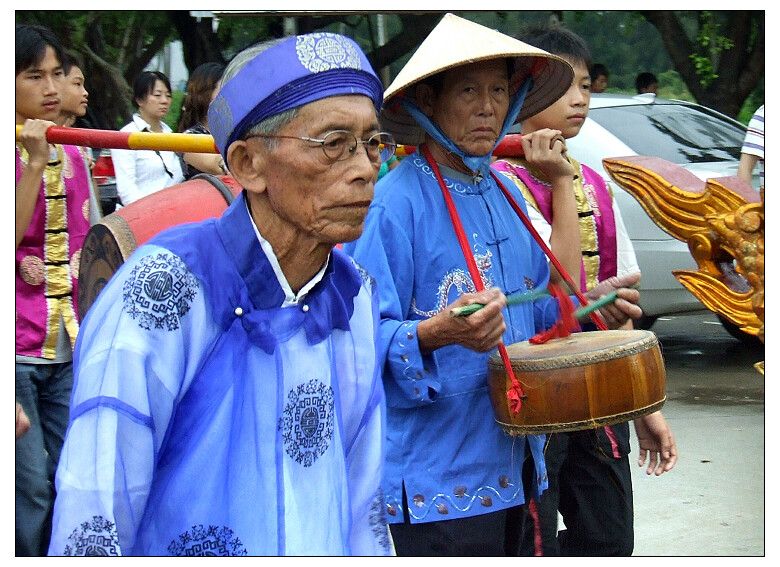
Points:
[[414, 373]]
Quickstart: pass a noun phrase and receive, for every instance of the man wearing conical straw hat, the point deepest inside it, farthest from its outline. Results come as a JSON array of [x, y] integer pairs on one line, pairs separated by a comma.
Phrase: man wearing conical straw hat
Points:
[[442, 232]]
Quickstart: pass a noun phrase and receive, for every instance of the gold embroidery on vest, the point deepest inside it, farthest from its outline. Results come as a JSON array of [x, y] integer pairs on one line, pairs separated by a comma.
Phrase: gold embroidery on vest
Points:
[[55, 252]]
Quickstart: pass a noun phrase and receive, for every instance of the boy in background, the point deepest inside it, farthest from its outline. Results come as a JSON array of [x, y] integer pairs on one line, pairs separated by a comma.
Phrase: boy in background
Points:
[[571, 206]]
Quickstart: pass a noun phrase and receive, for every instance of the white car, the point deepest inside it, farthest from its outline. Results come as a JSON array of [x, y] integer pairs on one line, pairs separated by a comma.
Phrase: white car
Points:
[[700, 139]]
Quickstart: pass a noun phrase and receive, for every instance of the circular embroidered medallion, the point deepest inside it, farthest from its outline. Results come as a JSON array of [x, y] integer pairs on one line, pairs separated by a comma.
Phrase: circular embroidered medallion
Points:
[[85, 209], [307, 425], [159, 292], [32, 270], [95, 538], [75, 262], [320, 52], [211, 541]]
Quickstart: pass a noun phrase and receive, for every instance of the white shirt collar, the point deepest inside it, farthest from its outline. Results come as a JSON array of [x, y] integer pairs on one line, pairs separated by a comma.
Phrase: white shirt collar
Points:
[[142, 124]]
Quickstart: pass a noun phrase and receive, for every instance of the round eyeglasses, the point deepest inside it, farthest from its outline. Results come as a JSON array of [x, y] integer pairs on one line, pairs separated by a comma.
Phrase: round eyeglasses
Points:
[[339, 145]]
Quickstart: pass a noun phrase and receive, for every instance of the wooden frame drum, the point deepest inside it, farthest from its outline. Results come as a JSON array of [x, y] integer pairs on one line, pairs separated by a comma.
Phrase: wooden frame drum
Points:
[[583, 381], [112, 240]]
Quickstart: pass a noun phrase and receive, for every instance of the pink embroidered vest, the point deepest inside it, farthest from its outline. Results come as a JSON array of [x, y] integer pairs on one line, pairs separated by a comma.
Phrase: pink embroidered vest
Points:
[[47, 260], [598, 236]]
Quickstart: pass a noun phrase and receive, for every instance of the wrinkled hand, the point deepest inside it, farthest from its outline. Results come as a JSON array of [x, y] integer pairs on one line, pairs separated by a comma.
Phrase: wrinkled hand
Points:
[[545, 149], [33, 137], [22, 421], [481, 331], [626, 306], [655, 437]]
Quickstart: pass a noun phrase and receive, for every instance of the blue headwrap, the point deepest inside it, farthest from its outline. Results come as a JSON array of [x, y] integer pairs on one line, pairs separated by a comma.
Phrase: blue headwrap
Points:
[[474, 163], [292, 73]]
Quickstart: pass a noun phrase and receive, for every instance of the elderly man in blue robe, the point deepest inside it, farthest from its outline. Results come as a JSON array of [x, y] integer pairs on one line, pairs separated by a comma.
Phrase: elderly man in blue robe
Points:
[[228, 399]]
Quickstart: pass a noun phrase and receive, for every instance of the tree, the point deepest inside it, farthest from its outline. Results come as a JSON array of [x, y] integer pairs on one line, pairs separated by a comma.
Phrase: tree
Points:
[[720, 55], [114, 47], [200, 43]]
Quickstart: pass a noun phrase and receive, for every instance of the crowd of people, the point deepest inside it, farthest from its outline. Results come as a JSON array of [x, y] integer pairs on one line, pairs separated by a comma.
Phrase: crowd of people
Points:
[[287, 379]]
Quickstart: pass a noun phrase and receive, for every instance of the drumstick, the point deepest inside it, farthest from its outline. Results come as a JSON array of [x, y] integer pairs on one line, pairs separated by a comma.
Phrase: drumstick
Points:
[[525, 296], [597, 304], [511, 299]]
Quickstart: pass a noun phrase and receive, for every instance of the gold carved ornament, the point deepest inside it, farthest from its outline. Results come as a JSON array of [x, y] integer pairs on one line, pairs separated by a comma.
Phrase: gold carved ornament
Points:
[[722, 220]]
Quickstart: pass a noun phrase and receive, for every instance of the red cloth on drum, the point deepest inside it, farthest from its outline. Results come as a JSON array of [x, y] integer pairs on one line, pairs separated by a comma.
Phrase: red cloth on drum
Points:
[[566, 323]]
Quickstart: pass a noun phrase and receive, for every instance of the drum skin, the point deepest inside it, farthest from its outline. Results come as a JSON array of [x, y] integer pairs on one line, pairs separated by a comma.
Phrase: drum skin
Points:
[[584, 381], [112, 240]]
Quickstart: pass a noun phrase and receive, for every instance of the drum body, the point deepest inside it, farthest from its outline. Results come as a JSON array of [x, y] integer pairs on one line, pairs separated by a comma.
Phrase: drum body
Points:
[[111, 241], [584, 381]]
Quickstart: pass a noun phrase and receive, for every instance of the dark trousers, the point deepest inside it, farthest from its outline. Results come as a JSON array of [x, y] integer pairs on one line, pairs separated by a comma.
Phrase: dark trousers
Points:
[[44, 392], [592, 490], [496, 534]]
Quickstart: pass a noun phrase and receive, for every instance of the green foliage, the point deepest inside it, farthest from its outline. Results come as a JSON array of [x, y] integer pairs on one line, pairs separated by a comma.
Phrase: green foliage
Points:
[[671, 85], [752, 103], [712, 43], [623, 41]]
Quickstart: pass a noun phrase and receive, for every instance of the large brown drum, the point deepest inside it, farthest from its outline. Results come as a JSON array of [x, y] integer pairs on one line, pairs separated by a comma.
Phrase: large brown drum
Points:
[[584, 381], [111, 241]]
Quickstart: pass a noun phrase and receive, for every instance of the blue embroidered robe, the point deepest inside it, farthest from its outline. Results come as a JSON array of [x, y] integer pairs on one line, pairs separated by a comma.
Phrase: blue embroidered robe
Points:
[[208, 420], [444, 445]]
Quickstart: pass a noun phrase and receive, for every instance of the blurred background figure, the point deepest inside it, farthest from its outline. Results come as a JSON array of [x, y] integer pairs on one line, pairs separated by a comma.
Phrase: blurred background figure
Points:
[[142, 172], [202, 88], [753, 148], [75, 97], [646, 83], [73, 105], [599, 78]]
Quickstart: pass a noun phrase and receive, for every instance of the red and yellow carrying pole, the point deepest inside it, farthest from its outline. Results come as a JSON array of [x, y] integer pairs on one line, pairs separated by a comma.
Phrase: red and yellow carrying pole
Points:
[[510, 146], [112, 139]]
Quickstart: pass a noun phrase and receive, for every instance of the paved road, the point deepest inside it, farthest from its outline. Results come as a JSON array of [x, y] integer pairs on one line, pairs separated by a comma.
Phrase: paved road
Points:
[[713, 502]]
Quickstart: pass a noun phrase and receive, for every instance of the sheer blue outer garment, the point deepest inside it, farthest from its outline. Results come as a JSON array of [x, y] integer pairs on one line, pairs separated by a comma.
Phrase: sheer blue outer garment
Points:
[[207, 420], [444, 445]]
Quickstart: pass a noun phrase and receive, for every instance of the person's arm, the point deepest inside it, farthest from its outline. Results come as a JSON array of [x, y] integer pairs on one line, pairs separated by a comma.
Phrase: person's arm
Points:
[[480, 332], [33, 137], [409, 345], [207, 163], [656, 439], [747, 162], [626, 307], [545, 150]]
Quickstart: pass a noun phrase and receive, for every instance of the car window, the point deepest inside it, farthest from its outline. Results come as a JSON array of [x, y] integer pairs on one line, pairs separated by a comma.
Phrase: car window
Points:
[[677, 133]]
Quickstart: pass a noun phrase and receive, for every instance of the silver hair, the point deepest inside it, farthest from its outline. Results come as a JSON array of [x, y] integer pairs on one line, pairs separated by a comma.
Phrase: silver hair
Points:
[[272, 124]]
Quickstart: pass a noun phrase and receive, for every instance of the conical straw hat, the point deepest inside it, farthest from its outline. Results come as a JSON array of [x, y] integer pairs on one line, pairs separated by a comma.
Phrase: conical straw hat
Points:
[[454, 42]]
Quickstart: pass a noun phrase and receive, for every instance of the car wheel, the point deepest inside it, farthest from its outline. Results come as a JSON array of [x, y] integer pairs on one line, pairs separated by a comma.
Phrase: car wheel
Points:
[[739, 334], [645, 322]]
